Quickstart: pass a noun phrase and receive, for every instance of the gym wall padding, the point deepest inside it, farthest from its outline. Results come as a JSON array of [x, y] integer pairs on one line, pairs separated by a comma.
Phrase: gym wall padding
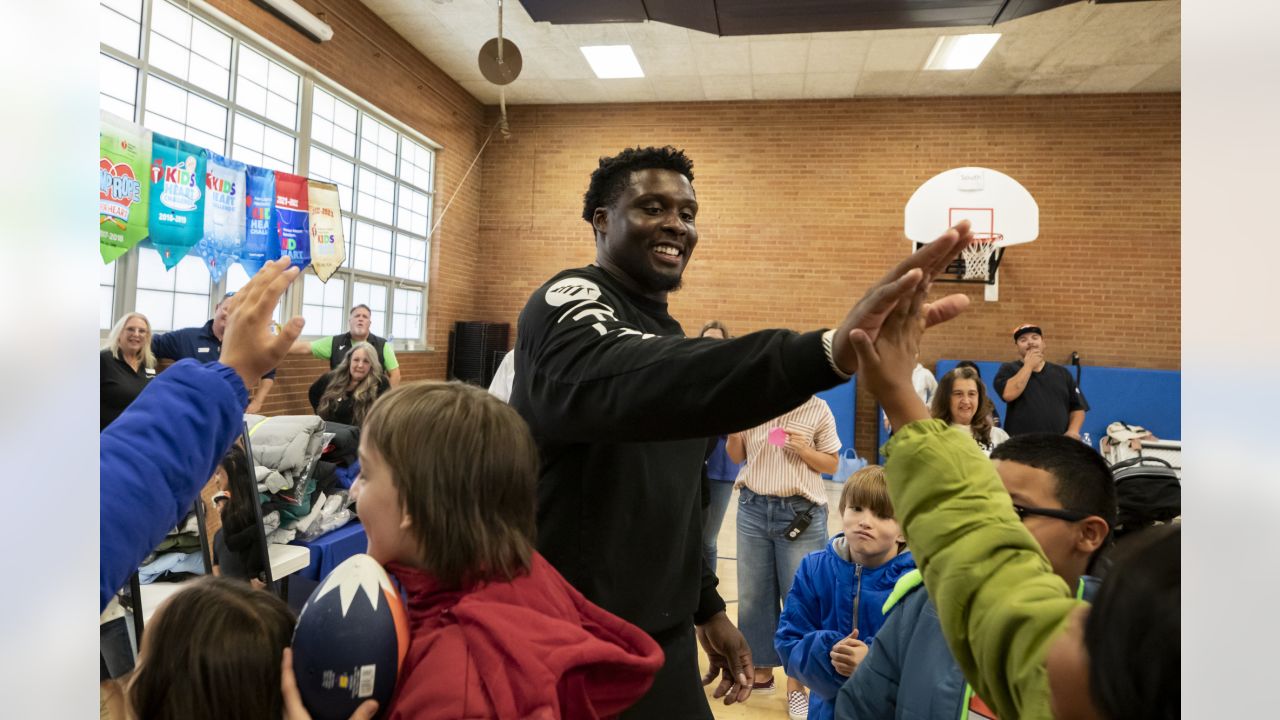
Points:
[[1150, 398], [840, 400]]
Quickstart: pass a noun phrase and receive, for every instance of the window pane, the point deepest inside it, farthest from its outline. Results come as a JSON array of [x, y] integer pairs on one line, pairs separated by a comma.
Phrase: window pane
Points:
[[204, 73], [169, 56], [118, 86], [182, 114], [333, 122], [412, 213], [190, 310], [378, 144], [106, 306], [376, 196], [170, 21], [415, 164], [322, 305], [407, 317], [375, 296], [158, 307], [252, 66], [118, 31], [251, 96], [212, 44], [331, 168], [192, 276], [372, 248], [237, 278], [411, 256]]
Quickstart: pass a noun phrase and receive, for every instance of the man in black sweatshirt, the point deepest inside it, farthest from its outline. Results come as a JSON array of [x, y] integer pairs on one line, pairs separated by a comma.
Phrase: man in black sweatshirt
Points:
[[620, 403]]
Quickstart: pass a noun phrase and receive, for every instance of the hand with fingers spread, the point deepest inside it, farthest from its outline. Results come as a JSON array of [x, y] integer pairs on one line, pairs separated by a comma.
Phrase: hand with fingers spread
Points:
[[248, 347], [848, 653], [293, 707], [886, 360], [918, 270], [730, 658]]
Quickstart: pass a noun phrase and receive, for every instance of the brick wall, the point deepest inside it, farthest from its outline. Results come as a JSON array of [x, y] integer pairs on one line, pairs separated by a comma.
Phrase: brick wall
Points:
[[802, 203], [368, 58]]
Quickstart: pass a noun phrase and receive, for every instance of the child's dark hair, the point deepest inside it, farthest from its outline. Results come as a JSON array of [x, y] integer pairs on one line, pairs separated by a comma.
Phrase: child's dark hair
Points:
[[212, 652], [611, 177], [717, 325], [238, 512], [466, 467], [1083, 482], [1133, 634]]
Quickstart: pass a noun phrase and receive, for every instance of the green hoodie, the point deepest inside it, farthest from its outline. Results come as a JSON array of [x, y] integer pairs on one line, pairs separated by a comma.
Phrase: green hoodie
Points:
[[998, 599]]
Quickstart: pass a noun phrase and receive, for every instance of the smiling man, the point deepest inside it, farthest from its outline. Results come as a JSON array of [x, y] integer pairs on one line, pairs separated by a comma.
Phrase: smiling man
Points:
[[1041, 396], [620, 403]]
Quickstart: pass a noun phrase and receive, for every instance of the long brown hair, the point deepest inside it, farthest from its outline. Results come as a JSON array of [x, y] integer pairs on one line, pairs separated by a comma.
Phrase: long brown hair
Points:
[[466, 468], [212, 652], [364, 393], [980, 426]]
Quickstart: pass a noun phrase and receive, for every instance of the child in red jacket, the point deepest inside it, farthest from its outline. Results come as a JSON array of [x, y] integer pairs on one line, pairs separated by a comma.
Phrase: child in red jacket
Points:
[[446, 494]]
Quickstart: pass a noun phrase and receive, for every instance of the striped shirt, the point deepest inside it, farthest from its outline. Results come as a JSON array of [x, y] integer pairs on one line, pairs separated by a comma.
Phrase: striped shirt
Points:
[[771, 470]]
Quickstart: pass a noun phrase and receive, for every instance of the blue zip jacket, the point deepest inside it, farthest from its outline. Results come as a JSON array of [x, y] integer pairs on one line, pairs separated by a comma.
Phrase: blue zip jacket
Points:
[[819, 613], [910, 673], [156, 456]]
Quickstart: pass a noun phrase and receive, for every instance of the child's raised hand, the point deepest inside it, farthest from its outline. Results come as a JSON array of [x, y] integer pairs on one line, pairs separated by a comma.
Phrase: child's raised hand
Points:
[[293, 707], [886, 361], [848, 653]]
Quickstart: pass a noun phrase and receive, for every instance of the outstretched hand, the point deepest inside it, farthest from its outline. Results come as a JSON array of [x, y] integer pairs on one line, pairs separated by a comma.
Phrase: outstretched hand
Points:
[[915, 272], [887, 360], [293, 707], [730, 658], [248, 347]]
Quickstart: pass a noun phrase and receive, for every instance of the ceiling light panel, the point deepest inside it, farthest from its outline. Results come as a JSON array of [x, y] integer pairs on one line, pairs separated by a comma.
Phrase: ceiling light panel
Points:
[[960, 52], [612, 61]]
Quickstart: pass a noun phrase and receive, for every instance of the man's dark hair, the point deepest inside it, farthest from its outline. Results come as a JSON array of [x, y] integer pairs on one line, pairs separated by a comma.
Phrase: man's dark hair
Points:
[[611, 178], [353, 310], [970, 364], [1083, 480], [1137, 615]]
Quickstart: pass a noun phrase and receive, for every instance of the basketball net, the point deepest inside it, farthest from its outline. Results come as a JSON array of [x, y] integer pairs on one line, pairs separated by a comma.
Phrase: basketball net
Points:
[[977, 255]]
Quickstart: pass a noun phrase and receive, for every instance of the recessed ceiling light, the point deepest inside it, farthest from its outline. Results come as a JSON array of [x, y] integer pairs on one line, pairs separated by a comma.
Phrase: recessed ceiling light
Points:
[[960, 52], [612, 61]]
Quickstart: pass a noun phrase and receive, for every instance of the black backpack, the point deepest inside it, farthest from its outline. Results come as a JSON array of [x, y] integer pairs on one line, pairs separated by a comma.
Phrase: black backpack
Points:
[[1148, 492]]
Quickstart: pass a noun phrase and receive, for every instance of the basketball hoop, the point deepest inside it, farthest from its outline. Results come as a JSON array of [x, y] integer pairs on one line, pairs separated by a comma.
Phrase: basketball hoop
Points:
[[977, 255]]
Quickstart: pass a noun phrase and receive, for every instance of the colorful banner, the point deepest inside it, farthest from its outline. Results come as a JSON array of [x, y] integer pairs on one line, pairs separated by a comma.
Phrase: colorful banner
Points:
[[176, 212], [328, 247], [224, 215], [261, 245], [292, 218], [122, 190]]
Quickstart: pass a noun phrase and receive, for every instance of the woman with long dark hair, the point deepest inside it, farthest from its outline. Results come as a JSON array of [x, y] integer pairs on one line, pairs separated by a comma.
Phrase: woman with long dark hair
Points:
[[962, 400]]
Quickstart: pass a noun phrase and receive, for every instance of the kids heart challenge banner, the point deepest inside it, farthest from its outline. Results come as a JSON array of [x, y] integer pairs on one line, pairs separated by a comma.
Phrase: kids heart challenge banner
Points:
[[177, 197]]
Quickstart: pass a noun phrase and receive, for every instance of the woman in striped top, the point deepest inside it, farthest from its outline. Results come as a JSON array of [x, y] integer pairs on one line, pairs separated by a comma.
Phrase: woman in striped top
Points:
[[779, 489]]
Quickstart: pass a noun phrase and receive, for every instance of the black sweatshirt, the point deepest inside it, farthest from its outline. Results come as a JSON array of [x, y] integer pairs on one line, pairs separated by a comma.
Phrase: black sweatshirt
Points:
[[620, 404]]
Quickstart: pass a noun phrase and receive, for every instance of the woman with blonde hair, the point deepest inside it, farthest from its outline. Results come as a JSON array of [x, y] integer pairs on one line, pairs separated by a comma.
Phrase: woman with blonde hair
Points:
[[127, 364], [962, 400], [345, 394]]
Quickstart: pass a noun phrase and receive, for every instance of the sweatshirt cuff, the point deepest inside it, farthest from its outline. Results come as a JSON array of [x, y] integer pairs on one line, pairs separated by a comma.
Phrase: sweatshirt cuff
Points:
[[709, 604], [805, 359]]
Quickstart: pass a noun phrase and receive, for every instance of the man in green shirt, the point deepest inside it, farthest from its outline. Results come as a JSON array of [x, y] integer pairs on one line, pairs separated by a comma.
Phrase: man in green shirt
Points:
[[335, 348]]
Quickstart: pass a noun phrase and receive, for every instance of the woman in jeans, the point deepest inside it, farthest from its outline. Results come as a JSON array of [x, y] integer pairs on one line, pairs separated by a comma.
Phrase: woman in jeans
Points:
[[779, 488]]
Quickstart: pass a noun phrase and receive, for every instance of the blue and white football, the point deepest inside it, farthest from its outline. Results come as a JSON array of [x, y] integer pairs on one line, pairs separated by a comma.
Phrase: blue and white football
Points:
[[350, 640]]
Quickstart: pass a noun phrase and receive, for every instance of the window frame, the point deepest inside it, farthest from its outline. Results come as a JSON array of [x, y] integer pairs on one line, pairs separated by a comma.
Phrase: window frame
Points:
[[126, 267]]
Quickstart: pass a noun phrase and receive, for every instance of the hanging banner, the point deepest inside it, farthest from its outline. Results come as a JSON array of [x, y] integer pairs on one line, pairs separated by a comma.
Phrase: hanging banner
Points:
[[122, 187], [176, 212], [292, 218], [328, 247], [261, 245], [224, 215]]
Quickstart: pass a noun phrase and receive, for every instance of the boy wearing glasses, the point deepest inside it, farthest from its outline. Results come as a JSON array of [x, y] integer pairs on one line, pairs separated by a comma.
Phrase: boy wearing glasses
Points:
[[1064, 493]]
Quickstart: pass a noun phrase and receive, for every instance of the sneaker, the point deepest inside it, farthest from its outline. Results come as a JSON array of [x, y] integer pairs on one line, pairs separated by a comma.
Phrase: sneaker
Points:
[[764, 688], [797, 705]]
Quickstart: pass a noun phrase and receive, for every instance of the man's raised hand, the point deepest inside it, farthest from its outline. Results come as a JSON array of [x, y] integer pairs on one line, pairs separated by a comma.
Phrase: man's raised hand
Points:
[[914, 273], [248, 347]]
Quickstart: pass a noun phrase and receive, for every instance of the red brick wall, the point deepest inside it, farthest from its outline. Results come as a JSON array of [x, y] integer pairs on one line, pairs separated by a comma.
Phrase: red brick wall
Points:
[[368, 58], [802, 204]]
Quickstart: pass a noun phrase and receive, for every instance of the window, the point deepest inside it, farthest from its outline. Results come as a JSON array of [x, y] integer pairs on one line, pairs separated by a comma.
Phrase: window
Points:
[[183, 74], [106, 296], [172, 299], [237, 278], [322, 305]]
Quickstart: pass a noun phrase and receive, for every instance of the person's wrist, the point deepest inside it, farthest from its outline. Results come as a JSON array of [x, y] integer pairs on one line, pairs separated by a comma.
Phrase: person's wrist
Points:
[[828, 348]]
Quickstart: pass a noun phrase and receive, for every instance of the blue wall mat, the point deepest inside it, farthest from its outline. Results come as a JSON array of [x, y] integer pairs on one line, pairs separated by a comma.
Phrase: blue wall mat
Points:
[[1150, 398], [840, 399]]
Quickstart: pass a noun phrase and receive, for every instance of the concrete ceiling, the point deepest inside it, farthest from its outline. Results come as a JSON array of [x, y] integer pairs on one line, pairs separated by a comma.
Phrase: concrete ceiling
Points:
[[1077, 48]]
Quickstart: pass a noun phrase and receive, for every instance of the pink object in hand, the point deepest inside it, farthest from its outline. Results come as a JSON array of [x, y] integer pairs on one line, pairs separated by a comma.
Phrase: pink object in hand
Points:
[[778, 436]]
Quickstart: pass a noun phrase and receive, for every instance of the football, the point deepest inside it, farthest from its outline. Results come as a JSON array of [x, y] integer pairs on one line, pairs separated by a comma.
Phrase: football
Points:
[[350, 640]]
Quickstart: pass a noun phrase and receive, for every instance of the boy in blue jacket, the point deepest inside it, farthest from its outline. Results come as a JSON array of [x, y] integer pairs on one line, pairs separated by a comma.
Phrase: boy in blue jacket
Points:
[[833, 611]]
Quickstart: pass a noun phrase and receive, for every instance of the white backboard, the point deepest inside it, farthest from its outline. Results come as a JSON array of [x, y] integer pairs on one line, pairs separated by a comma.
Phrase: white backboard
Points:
[[993, 202]]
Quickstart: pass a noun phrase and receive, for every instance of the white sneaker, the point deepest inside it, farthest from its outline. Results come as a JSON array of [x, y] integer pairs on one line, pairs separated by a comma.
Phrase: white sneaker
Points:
[[797, 705]]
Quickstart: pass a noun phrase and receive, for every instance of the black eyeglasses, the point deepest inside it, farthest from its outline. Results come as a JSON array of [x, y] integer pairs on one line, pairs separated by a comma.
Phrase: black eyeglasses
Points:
[[1059, 513]]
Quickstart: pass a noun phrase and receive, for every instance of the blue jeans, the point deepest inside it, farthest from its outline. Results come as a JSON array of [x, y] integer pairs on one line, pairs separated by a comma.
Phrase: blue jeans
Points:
[[767, 564], [714, 518]]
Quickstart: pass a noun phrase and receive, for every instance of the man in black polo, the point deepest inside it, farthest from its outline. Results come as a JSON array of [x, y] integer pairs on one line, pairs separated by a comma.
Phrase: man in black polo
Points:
[[204, 343], [1041, 396], [335, 348]]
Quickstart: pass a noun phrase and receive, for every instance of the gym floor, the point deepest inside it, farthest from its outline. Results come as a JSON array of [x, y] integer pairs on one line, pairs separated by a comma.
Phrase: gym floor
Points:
[[774, 705]]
